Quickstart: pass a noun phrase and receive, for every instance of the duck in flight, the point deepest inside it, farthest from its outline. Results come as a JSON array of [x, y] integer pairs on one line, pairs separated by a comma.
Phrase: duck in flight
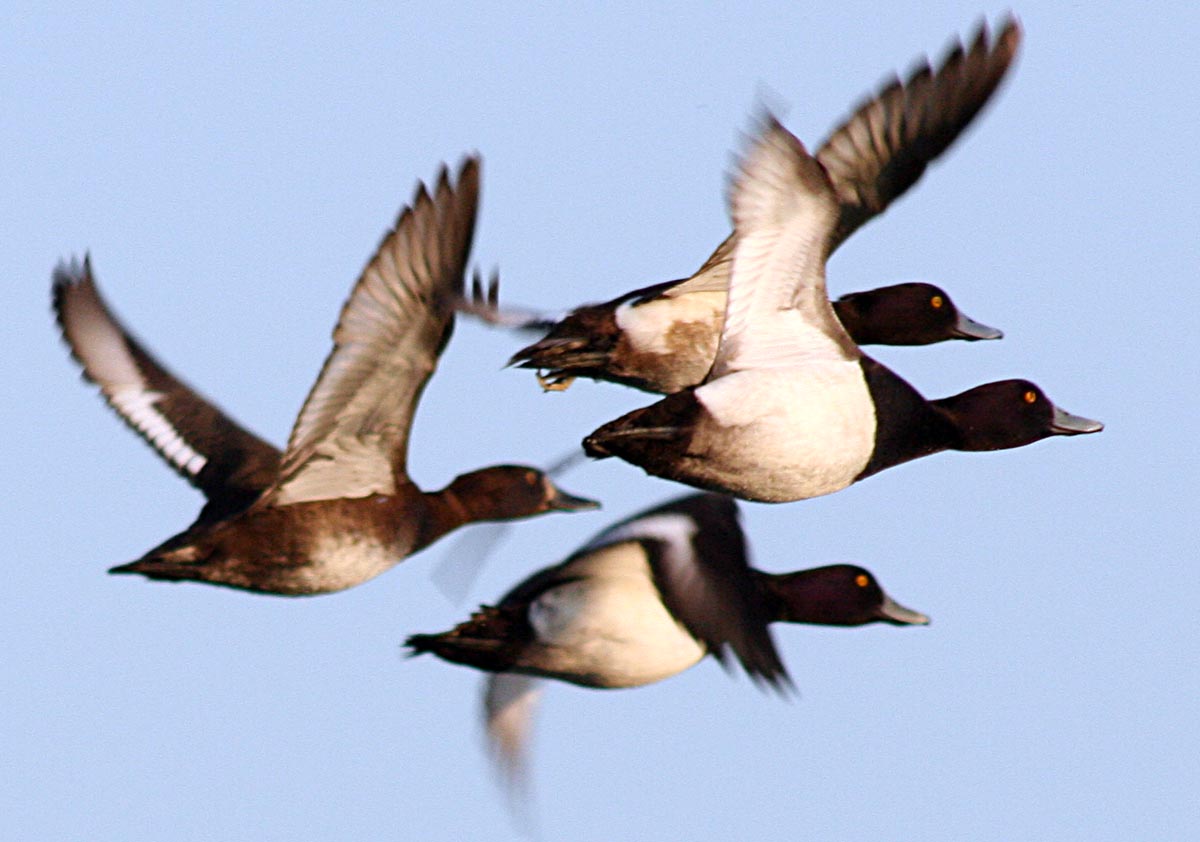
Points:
[[663, 338], [589, 342], [792, 408], [644, 600], [337, 506]]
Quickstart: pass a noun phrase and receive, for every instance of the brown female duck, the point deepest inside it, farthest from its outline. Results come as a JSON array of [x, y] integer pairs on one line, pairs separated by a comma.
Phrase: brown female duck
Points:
[[337, 506]]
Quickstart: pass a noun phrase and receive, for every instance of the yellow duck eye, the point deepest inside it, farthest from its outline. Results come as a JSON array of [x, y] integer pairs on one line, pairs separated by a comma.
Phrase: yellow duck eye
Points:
[[936, 302], [862, 580], [1030, 396]]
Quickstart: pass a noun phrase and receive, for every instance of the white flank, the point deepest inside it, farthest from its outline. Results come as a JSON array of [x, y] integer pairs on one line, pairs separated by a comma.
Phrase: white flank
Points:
[[610, 627], [793, 432], [647, 326]]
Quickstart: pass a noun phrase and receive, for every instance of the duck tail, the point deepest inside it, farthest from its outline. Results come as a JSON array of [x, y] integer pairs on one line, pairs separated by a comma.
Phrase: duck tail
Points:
[[485, 641], [176, 564], [157, 569]]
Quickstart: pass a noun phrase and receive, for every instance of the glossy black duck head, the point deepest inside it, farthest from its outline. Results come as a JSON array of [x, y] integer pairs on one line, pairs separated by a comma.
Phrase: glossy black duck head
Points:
[[836, 595], [908, 314], [1010, 413]]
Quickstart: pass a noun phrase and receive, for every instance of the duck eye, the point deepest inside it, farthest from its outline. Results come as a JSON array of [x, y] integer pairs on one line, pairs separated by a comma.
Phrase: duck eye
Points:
[[862, 580], [936, 302], [1030, 396]]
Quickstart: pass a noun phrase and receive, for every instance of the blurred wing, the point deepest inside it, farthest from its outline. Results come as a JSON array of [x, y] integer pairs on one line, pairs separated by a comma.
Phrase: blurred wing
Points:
[[351, 438], [484, 304], [885, 146], [509, 703], [196, 439], [783, 214]]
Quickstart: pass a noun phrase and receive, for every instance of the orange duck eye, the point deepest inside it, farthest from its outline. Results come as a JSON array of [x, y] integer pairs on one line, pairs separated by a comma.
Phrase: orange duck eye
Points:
[[936, 302], [1030, 396], [862, 580]]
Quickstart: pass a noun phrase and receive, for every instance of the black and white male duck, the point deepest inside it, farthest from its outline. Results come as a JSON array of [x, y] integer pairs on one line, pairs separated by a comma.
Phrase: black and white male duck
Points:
[[590, 342], [644, 600], [663, 338], [337, 507], [792, 408]]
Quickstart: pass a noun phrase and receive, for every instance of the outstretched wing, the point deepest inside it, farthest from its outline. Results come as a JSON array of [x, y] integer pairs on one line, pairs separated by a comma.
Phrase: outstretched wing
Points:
[[883, 148], [231, 465], [889, 140], [783, 211], [351, 438]]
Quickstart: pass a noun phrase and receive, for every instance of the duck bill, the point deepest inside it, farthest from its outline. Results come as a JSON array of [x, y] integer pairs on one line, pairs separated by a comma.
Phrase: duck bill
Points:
[[973, 331], [564, 502], [1066, 424], [896, 614]]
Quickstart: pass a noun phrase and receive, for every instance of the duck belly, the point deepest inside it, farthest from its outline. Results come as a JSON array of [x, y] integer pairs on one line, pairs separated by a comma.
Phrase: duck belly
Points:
[[775, 435]]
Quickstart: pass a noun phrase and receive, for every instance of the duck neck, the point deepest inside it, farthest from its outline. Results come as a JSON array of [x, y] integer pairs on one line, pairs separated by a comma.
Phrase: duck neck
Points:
[[774, 596], [906, 425], [797, 598], [979, 427], [445, 511]]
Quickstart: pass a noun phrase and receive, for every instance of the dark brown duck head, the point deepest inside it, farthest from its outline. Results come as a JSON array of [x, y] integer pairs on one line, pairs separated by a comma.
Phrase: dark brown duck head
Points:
[[508, 492]]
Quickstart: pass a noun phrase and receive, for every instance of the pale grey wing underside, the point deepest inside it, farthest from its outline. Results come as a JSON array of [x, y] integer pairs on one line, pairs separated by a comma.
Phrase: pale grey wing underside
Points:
[[886, 144], [231, 465], [713, 276], [351, 437], [510, 701], [783, 212]]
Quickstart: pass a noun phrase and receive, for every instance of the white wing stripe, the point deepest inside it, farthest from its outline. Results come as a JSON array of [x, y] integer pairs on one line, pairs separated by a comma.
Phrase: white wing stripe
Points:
[[137, 405]]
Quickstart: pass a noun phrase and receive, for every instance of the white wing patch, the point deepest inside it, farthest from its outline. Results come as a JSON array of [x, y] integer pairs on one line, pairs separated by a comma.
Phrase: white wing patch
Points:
[[137, 405], [648, 326], [675, 530]]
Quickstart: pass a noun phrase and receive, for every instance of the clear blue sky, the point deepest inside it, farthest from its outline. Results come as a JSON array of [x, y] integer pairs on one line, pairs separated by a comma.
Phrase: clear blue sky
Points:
[[231, 172]]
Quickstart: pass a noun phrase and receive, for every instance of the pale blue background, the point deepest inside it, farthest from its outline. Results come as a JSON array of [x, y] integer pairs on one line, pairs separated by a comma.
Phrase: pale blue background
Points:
[[232, 168]]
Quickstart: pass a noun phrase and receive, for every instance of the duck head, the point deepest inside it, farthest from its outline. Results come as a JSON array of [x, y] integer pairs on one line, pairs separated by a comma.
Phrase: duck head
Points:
[[1009, 413]]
